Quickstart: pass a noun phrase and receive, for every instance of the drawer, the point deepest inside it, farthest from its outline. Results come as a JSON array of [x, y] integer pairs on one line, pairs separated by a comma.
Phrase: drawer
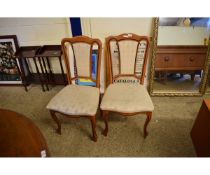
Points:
[[194, 60], [179, 61], [161, 61], [166, 60]]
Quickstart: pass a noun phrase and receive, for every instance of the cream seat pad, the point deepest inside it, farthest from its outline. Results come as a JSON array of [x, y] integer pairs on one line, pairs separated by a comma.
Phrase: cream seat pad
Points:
[[127, 98], [76, 100]]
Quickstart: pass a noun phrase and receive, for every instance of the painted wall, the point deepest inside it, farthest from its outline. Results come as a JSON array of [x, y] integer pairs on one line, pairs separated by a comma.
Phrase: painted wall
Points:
[[103, 27], [177, 35], [37, 31]]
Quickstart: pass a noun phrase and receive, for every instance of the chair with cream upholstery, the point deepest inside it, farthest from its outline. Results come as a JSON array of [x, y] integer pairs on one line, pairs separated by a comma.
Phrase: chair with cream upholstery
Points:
[[75, 100], [126, 60]]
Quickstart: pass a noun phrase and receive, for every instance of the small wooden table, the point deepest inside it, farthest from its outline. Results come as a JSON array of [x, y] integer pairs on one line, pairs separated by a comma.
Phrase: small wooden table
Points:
[[200, 132], [45, 53], [28, 52], [20, 137]]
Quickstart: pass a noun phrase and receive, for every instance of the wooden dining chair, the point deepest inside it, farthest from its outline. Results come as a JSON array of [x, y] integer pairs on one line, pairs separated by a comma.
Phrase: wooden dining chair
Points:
[[75, 100], [126, 61]]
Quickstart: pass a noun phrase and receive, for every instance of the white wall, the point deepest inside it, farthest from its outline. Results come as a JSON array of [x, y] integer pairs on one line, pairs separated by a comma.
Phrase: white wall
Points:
[[177, 35], [103, 27], [37, 31]]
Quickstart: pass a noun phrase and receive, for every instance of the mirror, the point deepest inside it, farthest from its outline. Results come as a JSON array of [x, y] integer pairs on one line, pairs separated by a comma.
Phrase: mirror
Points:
[[179, 65]]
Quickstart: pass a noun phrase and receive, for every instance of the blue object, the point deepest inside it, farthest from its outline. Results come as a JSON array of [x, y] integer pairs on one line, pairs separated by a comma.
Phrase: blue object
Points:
[[94, 71], [76, 26]]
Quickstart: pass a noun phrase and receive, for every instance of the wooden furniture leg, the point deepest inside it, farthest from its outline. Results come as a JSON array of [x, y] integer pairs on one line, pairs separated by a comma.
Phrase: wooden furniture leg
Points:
[[27, 66], [165, 77], [43, 73], [149, 116], [192, 76], [52, 78], [93, 124], [37, 70], [55, 118], [64, 79], [159, 76], [21, 73], [105, 117]]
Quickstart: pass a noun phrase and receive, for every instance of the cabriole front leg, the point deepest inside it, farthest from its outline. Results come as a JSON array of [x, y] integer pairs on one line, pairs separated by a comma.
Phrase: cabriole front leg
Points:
[[105, 117], [57, 121], [149, 116], [93, 124]]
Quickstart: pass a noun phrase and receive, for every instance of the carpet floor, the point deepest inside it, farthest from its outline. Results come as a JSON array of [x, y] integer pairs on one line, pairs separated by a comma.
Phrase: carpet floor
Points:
[[169, 129]]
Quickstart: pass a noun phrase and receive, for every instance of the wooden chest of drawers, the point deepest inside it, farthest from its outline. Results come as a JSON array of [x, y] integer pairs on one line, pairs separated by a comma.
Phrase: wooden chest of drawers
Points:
[[180, 58], [200, 132]]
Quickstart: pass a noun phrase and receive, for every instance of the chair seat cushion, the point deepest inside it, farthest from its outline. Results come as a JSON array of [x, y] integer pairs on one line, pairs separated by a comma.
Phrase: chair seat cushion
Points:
[[76, 100], [126, 98]]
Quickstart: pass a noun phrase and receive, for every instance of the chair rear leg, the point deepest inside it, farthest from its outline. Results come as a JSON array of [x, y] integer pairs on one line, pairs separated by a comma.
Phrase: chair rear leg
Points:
[[93, 124], [149, 116], [105, 117], [57, 121]]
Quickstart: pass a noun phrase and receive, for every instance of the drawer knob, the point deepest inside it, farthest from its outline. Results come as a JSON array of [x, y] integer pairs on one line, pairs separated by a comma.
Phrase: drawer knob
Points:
[[191, 59], [166, 59]]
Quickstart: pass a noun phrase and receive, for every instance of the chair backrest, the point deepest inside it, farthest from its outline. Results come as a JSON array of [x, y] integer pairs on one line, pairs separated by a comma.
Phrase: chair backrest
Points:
[[126, 57], [78, 52]]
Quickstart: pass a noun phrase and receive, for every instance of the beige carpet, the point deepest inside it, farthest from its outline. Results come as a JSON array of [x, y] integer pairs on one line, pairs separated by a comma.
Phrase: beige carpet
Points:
[[169, 129]]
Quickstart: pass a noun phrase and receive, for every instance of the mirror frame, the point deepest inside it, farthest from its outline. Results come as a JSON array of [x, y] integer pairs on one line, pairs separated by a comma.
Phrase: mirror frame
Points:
[[152, 66], [208, 69]]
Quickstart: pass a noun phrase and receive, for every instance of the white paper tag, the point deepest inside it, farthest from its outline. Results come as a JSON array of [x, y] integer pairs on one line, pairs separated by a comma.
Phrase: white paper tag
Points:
[[43, 153], [128, 35]]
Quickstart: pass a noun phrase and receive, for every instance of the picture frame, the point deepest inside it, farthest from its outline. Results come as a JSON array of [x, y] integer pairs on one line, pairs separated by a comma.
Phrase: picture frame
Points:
[[9, 65]]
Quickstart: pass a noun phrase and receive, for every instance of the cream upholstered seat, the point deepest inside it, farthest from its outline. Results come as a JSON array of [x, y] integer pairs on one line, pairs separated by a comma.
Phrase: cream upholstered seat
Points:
[[82, 58], [126, 60], [76, 100], [126, 98]]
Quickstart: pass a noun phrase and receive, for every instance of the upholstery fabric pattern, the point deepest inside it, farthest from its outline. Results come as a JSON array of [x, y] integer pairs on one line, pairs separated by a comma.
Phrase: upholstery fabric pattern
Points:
[[114, 58], [127, 98], [76, 100], [128, 51], [140, 58], [82, 56]]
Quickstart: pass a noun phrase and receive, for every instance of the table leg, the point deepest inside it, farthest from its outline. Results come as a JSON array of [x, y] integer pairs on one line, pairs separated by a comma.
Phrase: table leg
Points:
[[192, 76], [159, 76], [46, 72], [64, 80], [50, 70], [37, 70], [21, 73], [45, 69], [43, 73], [165, 77]]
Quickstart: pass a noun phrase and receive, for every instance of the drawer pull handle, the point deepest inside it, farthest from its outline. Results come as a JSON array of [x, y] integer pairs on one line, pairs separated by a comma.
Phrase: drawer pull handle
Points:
[[166, 58], [191, 59]]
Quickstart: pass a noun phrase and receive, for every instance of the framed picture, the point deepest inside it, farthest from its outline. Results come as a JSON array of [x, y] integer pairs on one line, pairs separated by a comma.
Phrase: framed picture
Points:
[[9, 65]]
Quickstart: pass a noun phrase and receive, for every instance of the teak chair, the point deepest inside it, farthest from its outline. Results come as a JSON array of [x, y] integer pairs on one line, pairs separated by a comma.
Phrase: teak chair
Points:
[[75, 100], [126, 60]]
